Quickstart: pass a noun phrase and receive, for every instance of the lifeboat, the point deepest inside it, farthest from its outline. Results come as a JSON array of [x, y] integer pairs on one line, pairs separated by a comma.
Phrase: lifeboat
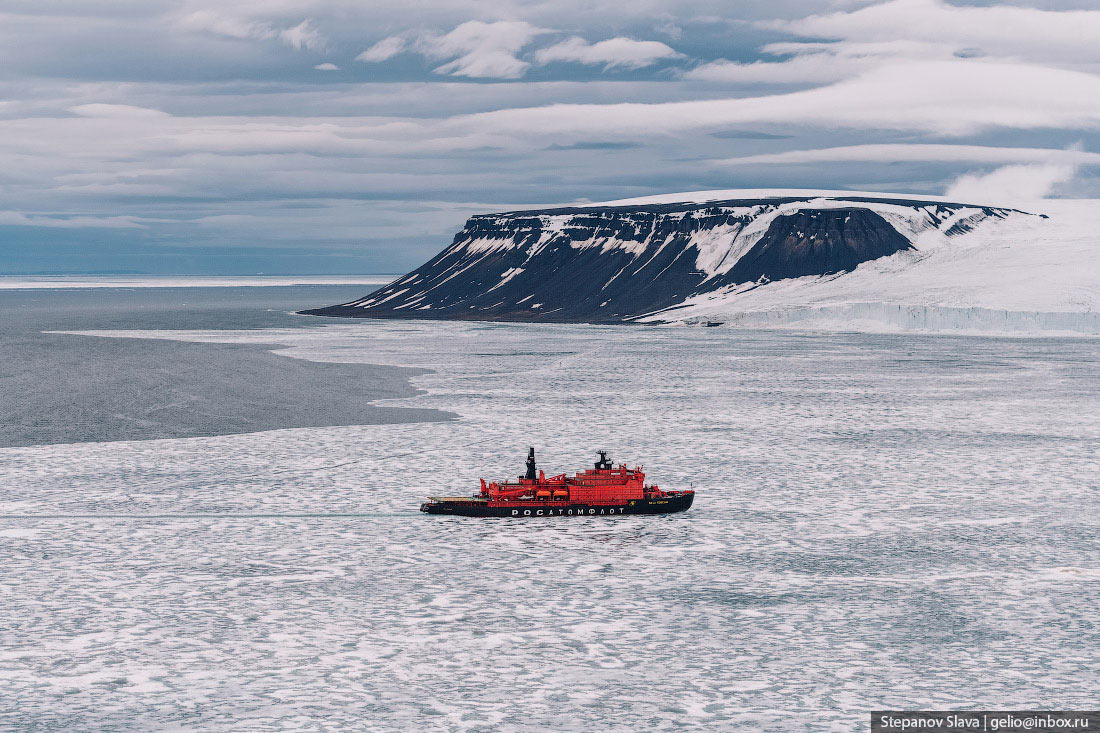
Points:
[[605, 490]]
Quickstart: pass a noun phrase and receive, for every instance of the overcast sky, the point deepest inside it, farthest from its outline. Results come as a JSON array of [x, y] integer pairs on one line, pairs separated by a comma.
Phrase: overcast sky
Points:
[[353, 136]]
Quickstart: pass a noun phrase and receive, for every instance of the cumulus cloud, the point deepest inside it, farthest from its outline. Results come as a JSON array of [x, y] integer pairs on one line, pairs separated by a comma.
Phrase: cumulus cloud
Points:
[[492, 50], [486, 50], [1011, 183], [384, 50], [614, 52], [327, 67]]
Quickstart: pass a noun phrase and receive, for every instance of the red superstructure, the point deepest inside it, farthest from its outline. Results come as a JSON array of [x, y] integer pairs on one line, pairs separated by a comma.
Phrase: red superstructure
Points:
[[604, 489]]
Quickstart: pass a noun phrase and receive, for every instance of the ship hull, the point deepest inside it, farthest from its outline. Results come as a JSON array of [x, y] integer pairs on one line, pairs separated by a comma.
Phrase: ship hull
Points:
[[664, 505]]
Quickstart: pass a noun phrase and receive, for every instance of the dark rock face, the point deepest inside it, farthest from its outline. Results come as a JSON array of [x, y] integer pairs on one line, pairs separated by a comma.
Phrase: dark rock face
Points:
[[818, 242], [566, 284], [616, 263]]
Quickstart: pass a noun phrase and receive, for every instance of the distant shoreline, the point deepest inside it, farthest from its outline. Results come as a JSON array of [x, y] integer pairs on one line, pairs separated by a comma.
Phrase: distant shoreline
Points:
[[66, 282]]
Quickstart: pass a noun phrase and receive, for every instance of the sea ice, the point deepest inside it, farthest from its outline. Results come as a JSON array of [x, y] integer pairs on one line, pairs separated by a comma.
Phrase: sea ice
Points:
[[286, 579]]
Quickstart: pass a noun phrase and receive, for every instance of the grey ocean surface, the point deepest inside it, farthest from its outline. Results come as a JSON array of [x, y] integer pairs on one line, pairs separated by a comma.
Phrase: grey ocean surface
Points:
[[883, 522], [61, 388]]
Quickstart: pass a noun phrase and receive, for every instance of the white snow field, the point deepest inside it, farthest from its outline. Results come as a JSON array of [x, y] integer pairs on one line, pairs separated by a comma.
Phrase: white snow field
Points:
[[1030, 273], [883, 522]]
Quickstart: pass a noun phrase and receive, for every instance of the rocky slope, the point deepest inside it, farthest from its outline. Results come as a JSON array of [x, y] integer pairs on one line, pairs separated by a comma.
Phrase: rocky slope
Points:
[[623, 261]]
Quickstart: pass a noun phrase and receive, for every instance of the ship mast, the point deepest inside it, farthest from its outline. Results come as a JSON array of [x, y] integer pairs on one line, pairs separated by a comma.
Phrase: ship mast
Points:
[[532, 474]]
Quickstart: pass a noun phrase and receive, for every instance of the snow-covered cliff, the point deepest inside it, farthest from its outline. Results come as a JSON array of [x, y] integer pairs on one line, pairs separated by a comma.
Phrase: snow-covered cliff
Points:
[[759, 258]]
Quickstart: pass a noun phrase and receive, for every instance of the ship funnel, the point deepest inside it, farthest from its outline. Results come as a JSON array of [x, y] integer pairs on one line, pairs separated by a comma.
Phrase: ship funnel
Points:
[[532, 473]]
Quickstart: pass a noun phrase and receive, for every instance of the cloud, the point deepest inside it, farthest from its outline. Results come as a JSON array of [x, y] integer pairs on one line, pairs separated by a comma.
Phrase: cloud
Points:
[[816, 62], [999, 30], [748, 135], [914, 31], [799, 70], [940, 97], [595, 145], [224, 25], [18, 218], [327, 67], [115, 110], [485, 50], [384, 50], [492, 50], [920, 153], [671, 30], [252, 145], [486, 65], [614, 52], [301, 36], [1011, 183]]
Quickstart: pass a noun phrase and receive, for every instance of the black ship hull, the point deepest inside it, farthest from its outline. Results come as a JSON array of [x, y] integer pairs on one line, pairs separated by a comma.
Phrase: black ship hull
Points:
[[664, 505]]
